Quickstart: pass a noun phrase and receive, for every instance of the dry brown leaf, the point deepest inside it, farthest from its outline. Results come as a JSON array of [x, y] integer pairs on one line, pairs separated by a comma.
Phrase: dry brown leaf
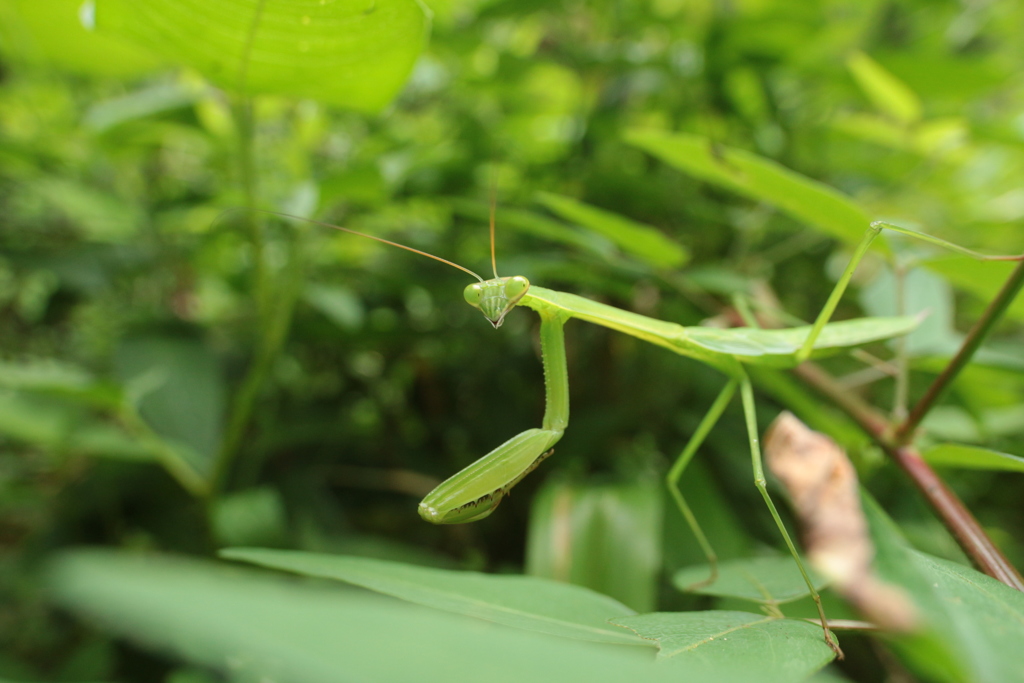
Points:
[[822, 485]]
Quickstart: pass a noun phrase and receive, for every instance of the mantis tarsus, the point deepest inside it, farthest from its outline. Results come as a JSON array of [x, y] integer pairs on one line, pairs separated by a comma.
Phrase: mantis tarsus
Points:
[[475, 492]]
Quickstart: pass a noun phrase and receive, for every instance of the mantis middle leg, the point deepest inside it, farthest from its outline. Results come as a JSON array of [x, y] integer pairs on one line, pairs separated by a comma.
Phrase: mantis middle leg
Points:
[[676, 473]]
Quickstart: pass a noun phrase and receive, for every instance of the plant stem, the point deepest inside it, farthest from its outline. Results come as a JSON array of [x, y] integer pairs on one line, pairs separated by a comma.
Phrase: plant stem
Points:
[[950, 509], [904, 433], [273, 313]]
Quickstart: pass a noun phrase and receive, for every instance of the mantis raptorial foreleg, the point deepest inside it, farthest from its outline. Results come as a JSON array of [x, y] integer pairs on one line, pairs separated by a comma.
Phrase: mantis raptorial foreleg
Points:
[[474, 492]]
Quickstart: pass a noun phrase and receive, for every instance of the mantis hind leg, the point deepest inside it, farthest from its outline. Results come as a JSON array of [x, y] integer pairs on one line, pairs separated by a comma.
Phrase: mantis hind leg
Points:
[[747, 395], [676, 473]]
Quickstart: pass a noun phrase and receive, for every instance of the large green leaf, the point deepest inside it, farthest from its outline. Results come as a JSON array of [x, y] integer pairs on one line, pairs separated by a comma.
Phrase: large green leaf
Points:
[[972, 625], [602, 535], [351, 53], [642, 241], [817, 204], [973, 458], [52, 33], [255, 627], [767, 580], [525, 602], [788, 649]]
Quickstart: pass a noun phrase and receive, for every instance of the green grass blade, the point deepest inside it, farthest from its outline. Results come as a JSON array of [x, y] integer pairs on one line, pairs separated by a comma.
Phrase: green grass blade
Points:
[[641, 241], [807, 200], [973, 458]]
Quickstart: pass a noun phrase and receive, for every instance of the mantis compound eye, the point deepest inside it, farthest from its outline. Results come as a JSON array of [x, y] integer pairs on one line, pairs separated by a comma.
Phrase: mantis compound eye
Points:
[[473, 294], [515, 287]]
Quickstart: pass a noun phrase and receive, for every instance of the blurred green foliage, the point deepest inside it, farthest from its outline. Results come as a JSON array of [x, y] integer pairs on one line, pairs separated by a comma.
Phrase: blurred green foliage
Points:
[[179, 374]]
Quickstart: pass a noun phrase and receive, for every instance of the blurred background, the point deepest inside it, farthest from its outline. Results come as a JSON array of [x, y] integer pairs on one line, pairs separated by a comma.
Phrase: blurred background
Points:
[[179, 374]]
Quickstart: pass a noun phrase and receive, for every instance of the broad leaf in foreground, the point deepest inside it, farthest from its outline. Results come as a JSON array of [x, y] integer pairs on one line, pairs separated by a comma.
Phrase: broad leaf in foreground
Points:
[[785, 647], [767, 580], [973, 624], [253, 627], [525, 602]]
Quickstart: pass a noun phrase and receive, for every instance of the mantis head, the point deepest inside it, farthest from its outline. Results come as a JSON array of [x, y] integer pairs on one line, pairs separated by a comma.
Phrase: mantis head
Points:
[[495, 298]]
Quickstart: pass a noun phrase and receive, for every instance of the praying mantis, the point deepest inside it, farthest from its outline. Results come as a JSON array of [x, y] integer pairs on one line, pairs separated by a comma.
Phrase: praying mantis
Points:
[[476, 491]]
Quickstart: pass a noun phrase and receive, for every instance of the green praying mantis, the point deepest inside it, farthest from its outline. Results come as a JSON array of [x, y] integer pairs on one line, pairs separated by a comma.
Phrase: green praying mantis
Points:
[[475, 492]]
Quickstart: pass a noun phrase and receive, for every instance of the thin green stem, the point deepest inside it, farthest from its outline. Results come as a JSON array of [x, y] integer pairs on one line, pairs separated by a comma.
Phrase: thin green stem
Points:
[[973, 341], [274, 332]]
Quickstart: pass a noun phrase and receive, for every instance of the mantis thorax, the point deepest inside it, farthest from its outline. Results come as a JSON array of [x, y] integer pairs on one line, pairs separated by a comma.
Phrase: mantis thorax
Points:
[[495, 298]]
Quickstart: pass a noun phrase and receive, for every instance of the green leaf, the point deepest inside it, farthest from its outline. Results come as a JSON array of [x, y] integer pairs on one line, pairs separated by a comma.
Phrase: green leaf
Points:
[[44, 374], [807, 200], [254, 627], [789, 649], [973, 457], [604, 536], [339, 304], [982, 278], [531, 223], [183, 393], [350, 53], [249, 517], [521, 601], [973, 624], [642, 241], [52, 33], [767, 580], [65, 426], [888, 93]]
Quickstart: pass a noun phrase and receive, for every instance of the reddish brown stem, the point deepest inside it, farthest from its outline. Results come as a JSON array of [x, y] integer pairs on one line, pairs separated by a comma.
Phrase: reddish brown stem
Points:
[[973, 341], [950, 509]]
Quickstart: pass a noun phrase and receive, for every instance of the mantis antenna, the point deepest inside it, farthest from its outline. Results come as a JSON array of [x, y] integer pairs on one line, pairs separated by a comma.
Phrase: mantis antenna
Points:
[[377, 239], [494, 202]]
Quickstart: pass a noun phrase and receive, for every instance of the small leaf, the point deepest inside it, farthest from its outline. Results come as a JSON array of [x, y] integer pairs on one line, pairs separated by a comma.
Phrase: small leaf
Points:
[[339, 304], [185, 394], [642, 241], [973, 457], [766, 580], [817, 204], [351, 53], [524, 602], [888, 93], [786, 649]]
